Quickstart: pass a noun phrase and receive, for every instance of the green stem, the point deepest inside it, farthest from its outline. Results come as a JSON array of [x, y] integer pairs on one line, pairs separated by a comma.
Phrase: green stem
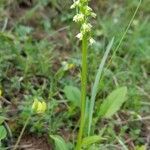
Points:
[[83, 91], [21, 133]]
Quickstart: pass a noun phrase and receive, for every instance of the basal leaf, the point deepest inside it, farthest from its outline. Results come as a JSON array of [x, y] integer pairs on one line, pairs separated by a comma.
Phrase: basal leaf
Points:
[[59, 142], [73, 95], [91, 140], [113, 102]]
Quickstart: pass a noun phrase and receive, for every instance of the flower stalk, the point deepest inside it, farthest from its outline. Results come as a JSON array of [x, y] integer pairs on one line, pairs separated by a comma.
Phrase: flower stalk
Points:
[[84, 12], [83, 90]]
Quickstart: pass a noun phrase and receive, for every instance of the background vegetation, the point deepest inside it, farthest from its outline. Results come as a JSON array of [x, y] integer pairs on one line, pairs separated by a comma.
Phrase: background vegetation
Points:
[[40, 56]]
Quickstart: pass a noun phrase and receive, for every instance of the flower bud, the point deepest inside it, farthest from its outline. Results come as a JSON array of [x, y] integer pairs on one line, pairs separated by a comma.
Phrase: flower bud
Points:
[[79, 36], [86, 27], [84, 13], [93, 15], [75, 4], [92, 41], [78, 18]]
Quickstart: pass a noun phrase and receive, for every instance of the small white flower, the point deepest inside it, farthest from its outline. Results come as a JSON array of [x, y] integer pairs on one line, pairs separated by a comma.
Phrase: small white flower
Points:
[[83, 13], [93, 15], [89, 9], [79, 36], [89, 12], [75, 4], [78, 17], [86, 27], [92, 41]]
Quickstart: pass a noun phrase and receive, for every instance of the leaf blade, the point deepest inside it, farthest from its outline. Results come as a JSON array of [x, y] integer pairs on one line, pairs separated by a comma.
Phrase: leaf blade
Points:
[[91, 140], [3, 133], [96, 83], [59, 142], [2, 119], [113, 102], [73, 95]]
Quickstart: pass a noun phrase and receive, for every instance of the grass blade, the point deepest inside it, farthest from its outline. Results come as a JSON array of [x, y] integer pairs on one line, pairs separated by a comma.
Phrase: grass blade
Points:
[[96, 83]]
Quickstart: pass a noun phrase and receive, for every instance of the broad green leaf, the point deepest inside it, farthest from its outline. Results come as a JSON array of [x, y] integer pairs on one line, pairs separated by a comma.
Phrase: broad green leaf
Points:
[[73, 95], [113, 102], [91, 140], [59, 142], [3, 133]]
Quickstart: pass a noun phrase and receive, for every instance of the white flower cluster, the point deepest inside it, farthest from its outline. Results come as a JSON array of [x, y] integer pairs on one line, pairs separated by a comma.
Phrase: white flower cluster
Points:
[[82, 17]]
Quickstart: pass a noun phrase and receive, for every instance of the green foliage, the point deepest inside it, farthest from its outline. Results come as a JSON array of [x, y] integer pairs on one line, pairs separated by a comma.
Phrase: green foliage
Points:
[[3, 132], [96, 84], [59, 142], [113, 103], [2, 119], [87, 141], [35, 43], [73, 95]]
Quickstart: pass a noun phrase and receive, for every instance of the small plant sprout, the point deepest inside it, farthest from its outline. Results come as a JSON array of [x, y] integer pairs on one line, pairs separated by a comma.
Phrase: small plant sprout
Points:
[[84, 13], [38, 107]]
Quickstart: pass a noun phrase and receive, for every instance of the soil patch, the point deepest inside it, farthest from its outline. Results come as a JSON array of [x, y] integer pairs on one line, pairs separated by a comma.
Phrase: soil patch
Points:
[[32, 142]]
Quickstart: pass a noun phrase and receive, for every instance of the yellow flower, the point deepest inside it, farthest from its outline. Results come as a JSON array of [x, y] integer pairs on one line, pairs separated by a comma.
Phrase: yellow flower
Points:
[[39, 107], [35, 105]]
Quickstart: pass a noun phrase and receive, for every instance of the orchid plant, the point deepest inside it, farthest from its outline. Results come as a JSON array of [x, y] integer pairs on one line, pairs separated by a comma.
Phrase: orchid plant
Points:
[[82, 17], [117, 97]]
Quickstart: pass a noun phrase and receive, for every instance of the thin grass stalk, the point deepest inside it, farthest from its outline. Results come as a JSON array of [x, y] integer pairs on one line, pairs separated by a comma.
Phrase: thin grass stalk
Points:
[[96, 83], [21, 133]]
